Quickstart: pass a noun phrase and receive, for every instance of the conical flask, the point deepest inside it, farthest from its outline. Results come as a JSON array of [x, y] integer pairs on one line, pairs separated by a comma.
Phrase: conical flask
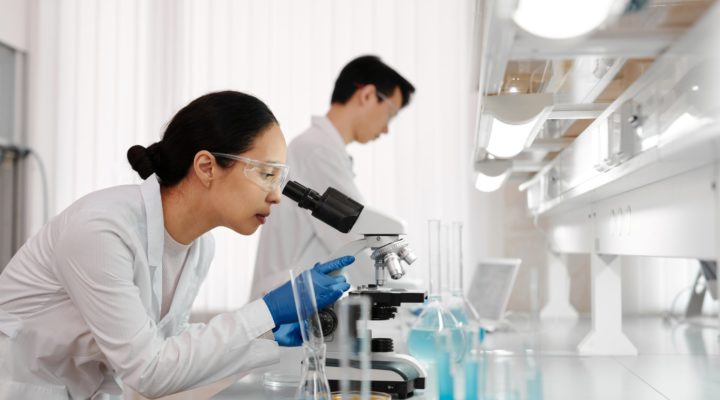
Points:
[[313, 382], [435, 318]]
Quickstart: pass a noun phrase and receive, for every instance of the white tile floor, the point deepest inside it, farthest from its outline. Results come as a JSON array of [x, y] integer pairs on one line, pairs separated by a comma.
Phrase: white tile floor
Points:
[[677, 362]]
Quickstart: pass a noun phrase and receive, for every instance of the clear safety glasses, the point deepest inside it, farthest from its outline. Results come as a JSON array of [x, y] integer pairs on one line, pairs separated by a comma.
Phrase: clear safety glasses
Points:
[[394, 109], [268, 175]]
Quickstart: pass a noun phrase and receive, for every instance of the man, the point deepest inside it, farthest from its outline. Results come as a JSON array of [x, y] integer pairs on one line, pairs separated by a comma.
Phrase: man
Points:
[[367, 95]]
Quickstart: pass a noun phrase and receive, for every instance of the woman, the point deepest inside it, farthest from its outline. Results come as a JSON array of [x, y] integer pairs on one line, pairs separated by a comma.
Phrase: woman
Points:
[[101, 295]]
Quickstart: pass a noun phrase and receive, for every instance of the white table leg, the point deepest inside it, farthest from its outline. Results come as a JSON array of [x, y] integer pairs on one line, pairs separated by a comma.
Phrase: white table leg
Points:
[[716, 189], [558, 285], [606, 336]]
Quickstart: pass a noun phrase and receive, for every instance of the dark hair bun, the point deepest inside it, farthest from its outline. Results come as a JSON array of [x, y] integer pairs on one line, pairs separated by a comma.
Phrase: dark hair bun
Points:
[[139, 158]]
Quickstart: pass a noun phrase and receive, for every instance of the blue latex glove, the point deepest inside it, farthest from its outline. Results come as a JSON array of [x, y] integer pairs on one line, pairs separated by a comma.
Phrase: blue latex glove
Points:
[[288, 335], [328, 289]]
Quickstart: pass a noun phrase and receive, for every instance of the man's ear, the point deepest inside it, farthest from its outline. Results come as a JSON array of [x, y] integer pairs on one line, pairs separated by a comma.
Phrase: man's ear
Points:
[[366, 94], [204, 167]]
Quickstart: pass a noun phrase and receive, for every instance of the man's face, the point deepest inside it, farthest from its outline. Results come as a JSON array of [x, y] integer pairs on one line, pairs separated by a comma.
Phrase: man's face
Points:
[[381, 110]]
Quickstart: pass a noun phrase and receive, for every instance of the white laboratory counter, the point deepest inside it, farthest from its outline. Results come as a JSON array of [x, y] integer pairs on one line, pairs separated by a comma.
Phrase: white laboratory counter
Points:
[[675, 361]]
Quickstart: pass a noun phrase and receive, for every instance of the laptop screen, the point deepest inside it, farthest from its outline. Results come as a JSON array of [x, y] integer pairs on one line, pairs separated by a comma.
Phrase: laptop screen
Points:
[[490, 288]]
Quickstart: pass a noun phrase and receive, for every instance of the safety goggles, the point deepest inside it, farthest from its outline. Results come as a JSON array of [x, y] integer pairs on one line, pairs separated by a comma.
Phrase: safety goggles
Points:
[[268, 175], [394, 109]]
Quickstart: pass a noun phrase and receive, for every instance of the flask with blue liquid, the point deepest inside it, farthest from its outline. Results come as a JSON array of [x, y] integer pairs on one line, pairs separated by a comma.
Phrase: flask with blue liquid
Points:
[[435, 318]]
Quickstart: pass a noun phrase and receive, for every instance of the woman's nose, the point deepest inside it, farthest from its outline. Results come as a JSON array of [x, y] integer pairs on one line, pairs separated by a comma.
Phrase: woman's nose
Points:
[[273, 197]]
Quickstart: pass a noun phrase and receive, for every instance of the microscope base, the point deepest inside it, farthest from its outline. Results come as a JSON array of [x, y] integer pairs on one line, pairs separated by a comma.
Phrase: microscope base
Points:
[[395, 377], [399, 390]]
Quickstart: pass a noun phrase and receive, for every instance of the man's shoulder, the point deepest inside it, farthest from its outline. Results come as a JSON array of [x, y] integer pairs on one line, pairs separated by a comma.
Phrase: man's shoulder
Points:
[[311, 136], [312, 142]]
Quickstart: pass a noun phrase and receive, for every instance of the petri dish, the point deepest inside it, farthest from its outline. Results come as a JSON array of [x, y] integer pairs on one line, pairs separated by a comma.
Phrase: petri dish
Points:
[[280, 380]]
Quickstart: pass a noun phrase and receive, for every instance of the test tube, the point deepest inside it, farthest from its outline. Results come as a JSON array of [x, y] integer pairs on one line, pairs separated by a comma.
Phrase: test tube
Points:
[[444, 359]]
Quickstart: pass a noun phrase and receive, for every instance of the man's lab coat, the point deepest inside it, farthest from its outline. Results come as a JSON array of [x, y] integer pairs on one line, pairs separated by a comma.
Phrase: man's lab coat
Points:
[[80, 305], [292, 238]]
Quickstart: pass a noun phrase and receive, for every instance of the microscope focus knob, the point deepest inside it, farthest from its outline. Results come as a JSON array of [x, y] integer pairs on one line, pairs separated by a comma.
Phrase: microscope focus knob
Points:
[[382, 312], [381, 345], [328, 321]]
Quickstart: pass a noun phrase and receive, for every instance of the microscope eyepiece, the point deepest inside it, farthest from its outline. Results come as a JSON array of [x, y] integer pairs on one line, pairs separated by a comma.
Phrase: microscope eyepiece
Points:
[[332, 208], [304, 196]]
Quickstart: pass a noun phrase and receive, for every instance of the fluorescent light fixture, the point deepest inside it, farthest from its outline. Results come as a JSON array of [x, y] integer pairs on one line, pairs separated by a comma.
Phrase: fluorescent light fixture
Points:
[[563, 19], [685, 124], [485, 183], [514, 121], [492, 174]]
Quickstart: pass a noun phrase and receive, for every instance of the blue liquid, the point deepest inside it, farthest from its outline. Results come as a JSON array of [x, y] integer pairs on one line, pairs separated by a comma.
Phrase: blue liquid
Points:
[[534, 386], [421, 344], [444, 373], [471, 380]]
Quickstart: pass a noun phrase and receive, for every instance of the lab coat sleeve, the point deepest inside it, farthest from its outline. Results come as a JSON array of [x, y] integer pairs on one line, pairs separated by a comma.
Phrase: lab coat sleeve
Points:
[[95, 265], [325, 169]]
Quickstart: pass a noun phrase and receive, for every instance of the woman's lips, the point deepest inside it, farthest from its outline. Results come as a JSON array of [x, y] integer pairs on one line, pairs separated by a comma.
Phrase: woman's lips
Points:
[[261, 218]]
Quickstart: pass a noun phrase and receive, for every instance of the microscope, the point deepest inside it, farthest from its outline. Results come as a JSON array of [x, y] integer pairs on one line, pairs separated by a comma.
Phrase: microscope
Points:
[[398, 374]]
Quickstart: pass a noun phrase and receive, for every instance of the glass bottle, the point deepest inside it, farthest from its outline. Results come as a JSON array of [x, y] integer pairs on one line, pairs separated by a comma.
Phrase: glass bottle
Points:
[[435, 318]]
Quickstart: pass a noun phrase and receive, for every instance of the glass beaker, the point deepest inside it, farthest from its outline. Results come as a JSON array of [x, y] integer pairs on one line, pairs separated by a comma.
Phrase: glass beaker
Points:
[[435, 318], [314, 384]]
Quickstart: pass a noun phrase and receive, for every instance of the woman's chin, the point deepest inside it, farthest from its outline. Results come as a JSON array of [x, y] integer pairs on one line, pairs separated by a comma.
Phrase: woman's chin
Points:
[[245, 229]]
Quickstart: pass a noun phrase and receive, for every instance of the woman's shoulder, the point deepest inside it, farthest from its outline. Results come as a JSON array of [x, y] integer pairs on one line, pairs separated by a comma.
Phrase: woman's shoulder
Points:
[[123, 204]]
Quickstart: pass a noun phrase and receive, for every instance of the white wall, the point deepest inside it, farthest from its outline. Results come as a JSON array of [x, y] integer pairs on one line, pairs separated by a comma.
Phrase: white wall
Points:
[[13, 23]]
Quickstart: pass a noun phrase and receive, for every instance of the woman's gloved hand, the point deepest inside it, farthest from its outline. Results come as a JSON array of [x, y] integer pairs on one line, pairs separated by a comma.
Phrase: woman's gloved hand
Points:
[[328, 289], [288, 335]]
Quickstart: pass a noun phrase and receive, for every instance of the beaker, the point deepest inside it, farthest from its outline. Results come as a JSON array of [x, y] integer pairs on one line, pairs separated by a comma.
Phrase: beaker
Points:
[[435, 318], [313, 382]]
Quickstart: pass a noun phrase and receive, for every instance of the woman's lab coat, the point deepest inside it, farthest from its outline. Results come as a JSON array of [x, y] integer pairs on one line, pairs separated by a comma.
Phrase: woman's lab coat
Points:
[[80, 305]]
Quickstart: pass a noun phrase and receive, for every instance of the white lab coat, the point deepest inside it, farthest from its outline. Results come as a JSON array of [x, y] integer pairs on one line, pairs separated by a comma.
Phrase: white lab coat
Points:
[[80, 305], [291, 237]]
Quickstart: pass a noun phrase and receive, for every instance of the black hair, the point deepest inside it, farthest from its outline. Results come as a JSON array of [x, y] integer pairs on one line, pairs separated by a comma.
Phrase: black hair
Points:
[[370, 70], [224, 122]]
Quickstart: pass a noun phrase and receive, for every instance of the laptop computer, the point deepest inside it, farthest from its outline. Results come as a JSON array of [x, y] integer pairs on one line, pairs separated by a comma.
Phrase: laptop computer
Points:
[[490, 288]]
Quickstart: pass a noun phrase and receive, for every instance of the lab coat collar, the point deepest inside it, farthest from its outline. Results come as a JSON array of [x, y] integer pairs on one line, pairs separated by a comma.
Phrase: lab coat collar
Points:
[[155, 224], [189, 278], [323, 123]]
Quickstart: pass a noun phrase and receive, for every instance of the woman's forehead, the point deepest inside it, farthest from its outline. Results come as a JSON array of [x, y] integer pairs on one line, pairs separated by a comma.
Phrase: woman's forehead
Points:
[[269, 145]]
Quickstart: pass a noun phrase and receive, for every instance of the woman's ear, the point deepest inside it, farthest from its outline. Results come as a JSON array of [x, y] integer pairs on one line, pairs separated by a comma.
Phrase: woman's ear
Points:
[[204, 167]]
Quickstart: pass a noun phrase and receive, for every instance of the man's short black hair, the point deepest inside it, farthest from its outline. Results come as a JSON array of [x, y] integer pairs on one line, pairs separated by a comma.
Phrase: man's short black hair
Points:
[[367, 70]]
